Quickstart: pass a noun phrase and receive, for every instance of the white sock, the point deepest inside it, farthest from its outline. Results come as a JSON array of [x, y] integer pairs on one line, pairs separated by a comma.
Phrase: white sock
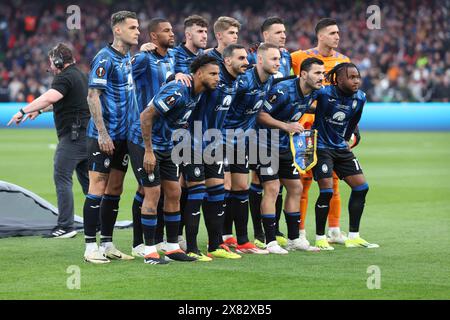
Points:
[[180, 238], [149, 249], [92, 246], [320, 237], [172, 246], [353, 235], [106, 244], [227, 236], [335, 229]]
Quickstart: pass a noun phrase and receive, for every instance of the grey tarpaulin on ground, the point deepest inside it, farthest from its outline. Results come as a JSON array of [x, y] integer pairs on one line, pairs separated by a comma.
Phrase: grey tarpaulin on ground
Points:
[[24, 213]]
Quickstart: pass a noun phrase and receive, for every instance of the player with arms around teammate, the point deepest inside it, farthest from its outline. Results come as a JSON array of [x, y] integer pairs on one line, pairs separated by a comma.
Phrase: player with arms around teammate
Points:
[[111, 96], [338, 111], [288, 100], [252, 91], [273, 31], [169, 110], [150, 70], [328, 36]]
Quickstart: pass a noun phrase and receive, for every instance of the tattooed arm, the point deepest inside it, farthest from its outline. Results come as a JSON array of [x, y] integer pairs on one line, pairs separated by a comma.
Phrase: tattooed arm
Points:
[[104, 140], [147, 118]]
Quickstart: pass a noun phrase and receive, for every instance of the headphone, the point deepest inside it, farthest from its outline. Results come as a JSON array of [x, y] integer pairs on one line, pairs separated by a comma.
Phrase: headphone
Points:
[[57, 59]]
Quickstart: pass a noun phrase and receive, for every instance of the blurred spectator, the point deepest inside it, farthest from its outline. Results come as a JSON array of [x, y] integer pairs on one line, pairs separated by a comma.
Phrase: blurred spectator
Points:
[[406, 60]]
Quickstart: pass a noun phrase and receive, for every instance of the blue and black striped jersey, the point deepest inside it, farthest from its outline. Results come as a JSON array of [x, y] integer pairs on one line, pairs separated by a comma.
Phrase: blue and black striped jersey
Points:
[[214, 105], [285, 63], [111, 72], [251, 95], [150, 72], [216, 54], [286, 103], [175, 103], [184, 58], [337, 115]]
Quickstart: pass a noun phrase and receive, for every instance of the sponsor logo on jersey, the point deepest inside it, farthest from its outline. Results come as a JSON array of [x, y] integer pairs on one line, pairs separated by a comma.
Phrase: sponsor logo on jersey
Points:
[[339, 116]]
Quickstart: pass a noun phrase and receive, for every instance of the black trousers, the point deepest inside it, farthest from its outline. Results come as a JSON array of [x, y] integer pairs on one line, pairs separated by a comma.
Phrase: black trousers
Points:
[[70, 156]]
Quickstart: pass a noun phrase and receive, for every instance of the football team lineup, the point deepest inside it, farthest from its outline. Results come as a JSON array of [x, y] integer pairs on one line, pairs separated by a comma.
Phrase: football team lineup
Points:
[[242, 165]]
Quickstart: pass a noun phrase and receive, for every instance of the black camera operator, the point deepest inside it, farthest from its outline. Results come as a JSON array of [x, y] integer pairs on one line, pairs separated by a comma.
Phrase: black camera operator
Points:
[[68, 100]]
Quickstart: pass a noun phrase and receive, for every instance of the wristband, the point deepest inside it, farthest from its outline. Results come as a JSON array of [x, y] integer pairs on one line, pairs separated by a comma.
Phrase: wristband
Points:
[[40, 111], [22, 112]]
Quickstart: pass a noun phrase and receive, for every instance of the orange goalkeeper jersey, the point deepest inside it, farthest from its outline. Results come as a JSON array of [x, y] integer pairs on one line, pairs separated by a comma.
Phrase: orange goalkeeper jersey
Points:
[[329, 62]]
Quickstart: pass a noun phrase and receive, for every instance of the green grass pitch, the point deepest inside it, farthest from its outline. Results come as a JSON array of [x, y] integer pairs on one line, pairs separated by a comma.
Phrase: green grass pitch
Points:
[[407, 213]]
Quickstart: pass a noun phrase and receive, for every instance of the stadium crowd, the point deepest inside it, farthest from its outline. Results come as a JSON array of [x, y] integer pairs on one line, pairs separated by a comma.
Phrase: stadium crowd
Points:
[[405, 60]]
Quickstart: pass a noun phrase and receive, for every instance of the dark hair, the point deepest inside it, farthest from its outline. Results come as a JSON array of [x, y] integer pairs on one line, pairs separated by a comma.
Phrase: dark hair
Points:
[[153, 24], [323, 23], [62, 51], [333, 74], [201, 61], [266, 46], [228, 51], [121, 16], [195, 19], [270, 21], [307, 63]]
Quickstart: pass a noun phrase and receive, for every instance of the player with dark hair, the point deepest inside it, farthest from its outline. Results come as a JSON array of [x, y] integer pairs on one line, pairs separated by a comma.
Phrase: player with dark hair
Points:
[[338, 111], [288, 100], [111, 96], [327, 33], [196, 33], [273, 31], [169, 110], [150, 70], [253, 88], [205, 180]]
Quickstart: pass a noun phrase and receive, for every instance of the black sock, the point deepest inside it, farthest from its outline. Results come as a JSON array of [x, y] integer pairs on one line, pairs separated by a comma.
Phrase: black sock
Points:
[[213, 212], [109, 209], [149, 223], [183, 199], [240, 209], [229, 214], [322, 209], [356, 206], [172, 220], [278, 210], [137, 226], [191, 215], [293, 224], [159, 236], [269, 221], [254, 198], [91, 214]]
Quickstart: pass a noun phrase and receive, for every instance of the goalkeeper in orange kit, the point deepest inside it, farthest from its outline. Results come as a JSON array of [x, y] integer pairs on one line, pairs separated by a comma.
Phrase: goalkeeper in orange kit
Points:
[[327, 33]]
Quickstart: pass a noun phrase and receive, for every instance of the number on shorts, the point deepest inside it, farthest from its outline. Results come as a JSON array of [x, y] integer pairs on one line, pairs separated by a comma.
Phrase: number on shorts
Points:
[[220, 163], [356, 164], [178, 170], [295, 172]]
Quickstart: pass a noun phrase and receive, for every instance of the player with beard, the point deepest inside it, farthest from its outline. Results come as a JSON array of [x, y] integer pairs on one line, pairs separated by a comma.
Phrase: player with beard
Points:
[[169, 110]]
